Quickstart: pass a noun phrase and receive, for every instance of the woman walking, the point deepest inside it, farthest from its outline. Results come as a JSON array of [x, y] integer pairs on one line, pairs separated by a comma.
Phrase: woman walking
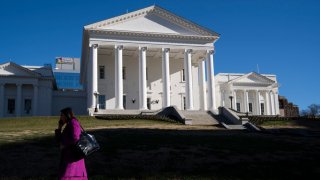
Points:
[[72, 167]]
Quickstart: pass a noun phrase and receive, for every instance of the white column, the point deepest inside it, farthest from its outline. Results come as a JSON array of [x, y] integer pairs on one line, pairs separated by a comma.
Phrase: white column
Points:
[[272, 103], [235, 100], [210, 80], [267, 103], [203, 90], [165, 77], [92, 76], [188, 75], [118, 78], [223, 98], [2, 100], [18, 100], [245, 102], [258, 102], [142, 78], [35, 100], [276, 99]]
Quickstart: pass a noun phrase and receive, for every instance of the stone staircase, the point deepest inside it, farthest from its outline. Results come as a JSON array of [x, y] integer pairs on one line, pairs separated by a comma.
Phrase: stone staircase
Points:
[[199, 117]]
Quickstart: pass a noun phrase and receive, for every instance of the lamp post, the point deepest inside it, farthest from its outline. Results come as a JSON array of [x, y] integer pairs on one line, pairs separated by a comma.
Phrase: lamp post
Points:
[[231, 101], [96, 94]]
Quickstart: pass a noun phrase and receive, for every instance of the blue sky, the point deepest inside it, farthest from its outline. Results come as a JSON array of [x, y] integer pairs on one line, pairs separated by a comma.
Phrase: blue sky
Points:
[[281, 36]]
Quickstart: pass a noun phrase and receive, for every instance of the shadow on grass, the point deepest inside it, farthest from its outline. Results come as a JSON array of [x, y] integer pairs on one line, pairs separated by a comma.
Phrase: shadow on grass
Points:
[[158, 153]]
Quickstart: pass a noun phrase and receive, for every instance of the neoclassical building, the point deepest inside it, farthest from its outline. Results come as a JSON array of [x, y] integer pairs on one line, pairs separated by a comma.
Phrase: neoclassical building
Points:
[[148, 59], [254, 93], [25, 90]]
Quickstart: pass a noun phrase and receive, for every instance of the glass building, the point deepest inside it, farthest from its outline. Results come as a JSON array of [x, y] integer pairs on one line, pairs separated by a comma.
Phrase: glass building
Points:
[[67, 73], [68, 80]]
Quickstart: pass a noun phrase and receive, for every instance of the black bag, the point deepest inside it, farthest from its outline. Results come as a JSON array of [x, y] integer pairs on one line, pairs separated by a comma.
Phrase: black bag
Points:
[[87, 144]]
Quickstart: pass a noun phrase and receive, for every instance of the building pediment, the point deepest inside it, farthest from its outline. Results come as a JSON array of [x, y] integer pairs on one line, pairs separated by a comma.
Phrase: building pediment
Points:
[[152, 20], [12, 69], [252, 78]]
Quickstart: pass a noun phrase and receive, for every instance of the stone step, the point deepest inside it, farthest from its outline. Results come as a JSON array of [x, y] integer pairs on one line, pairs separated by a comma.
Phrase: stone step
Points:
[[199, 117], [236, 127]]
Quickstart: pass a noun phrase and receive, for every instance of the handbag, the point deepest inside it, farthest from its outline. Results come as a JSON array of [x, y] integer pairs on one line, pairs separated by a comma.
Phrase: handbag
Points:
[[87, 144]]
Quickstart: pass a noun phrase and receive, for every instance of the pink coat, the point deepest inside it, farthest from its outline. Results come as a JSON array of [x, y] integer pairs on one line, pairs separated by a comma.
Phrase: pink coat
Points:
[[71, 167]]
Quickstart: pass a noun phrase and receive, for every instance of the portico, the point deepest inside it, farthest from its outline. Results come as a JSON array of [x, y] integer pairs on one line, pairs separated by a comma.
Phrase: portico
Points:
[[145, 67], [253, 93], [20, 92]]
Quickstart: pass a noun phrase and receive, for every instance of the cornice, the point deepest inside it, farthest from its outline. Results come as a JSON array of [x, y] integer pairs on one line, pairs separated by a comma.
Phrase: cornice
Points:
[[151, 35]]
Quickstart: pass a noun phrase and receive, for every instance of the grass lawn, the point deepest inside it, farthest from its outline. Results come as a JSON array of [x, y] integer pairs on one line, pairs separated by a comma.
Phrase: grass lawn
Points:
[[144, 149]]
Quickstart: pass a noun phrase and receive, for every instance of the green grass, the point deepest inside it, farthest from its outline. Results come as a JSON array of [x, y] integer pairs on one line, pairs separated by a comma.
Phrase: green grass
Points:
[[17, 129], [159, 150]]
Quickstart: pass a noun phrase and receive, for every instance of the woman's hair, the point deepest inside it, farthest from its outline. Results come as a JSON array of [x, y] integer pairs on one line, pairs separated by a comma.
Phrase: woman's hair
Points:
[[67, 112]]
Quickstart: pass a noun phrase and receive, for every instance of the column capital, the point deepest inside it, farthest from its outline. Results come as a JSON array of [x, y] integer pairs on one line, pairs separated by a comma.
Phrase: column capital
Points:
[[210, 51], [19, 84], [188, 51], [143, 48], [118, 47], [94, 45], [166, 49]]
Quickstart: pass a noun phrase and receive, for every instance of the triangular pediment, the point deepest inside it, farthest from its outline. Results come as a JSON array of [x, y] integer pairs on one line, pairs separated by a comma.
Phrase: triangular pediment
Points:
[[253, 78], [12, 69], [152, 19]]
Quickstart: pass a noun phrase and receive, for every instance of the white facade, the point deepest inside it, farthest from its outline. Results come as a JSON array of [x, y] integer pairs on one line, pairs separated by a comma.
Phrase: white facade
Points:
[[138, 61], [32, 91], [254, 93], [23, 89]]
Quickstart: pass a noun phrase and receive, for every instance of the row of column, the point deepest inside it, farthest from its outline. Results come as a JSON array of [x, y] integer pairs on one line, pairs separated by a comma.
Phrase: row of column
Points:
[[18, 100], [271, 100], [165, 78]]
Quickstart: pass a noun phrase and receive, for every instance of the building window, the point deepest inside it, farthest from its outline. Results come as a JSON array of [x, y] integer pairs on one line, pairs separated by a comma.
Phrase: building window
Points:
[[27, 106], [101, 72], [124, 101], [11, 106], [238, 106], [124, 75], [184, 103], [149, 103], [183, 75], [102, 102], [262, 108], [250, 107], [146, 73]]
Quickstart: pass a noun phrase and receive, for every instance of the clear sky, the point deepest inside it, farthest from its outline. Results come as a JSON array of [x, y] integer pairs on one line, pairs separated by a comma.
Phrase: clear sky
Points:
[[281, 36]]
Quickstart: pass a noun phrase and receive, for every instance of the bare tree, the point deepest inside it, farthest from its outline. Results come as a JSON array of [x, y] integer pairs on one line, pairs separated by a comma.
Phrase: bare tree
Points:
[[314, 110], [305, 113]]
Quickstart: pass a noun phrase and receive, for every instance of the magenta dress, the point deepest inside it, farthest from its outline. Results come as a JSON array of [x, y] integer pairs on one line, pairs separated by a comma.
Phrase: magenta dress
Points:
[[71, 166]]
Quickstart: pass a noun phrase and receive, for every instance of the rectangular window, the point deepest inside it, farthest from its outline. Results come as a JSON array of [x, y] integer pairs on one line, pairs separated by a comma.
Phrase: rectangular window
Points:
[[184, 103], [124, 75], [183, 76], [149, 103], [146, 73], [238, 106], [124, 101], [262, 108], [250, 107], [102, 102], [27, 106], [11, 106], [101, 72]]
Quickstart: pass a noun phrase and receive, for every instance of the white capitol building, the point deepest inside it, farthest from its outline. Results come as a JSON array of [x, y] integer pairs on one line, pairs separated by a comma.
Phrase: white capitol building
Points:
[[148, 59]]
